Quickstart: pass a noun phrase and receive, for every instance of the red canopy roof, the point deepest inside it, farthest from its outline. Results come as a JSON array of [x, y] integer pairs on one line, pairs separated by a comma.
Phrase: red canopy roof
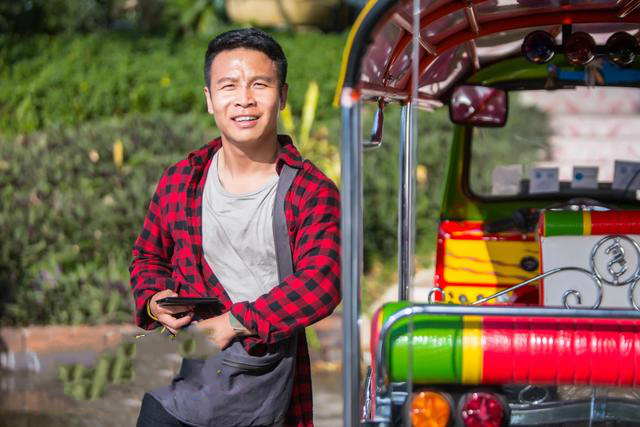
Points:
[[458, 37]]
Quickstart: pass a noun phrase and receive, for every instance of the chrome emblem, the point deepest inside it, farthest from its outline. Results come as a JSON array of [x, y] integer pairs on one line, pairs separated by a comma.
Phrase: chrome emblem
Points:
[[619, 254], [616, 251]]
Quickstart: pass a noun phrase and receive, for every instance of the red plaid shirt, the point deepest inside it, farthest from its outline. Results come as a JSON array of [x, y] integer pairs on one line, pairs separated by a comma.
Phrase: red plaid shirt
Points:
[[168, 255]]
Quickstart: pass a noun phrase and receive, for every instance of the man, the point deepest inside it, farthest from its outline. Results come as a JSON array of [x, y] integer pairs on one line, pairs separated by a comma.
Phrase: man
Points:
[[208, 230]]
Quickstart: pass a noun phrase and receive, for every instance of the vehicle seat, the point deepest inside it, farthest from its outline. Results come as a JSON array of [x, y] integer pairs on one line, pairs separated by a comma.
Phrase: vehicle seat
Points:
[[604, 243]]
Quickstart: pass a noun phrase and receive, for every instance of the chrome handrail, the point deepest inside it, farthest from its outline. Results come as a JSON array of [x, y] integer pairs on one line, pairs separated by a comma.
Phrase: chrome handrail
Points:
[[565, 296], [382, 374]]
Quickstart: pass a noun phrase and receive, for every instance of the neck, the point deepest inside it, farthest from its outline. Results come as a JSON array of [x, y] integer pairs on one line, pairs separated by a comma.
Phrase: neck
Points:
[[239, 160]]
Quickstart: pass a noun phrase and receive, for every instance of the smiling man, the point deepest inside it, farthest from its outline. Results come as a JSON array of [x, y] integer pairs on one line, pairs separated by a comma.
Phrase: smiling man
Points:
[[210, 231]]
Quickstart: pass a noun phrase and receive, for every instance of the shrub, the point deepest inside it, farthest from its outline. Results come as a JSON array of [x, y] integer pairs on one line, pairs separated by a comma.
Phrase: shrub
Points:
[[69, 80], [70, 215]]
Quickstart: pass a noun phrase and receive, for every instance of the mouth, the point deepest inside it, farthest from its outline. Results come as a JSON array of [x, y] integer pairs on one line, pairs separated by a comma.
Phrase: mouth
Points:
[[246, 119]]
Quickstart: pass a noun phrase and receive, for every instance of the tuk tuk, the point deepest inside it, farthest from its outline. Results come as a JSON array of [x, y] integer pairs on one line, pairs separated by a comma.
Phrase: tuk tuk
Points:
[[534, 315]]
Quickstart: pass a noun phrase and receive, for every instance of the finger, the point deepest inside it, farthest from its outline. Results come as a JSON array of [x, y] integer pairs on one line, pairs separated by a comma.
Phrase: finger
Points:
[[174, 323], [174, 309], [164, 294], [184, 320]]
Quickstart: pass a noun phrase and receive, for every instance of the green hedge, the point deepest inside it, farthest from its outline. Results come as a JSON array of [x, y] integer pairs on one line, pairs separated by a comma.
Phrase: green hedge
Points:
[[68, 80], [70, 215]]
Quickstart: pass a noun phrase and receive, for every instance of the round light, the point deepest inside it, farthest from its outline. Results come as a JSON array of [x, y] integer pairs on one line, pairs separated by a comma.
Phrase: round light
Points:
[[482, 409], [430, 409], [622, 48], [580, 48], [538, 47]]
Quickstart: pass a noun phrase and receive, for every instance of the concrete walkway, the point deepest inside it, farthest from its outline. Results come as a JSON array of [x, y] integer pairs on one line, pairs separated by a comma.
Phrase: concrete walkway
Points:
[[40, 350]]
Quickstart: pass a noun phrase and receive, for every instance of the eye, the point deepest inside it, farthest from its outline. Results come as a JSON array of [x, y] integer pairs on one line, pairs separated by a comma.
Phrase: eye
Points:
[[227, 86], [260, 84]]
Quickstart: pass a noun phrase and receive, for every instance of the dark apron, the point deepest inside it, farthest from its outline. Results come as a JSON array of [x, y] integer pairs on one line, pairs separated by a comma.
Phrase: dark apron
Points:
[[233, 388]]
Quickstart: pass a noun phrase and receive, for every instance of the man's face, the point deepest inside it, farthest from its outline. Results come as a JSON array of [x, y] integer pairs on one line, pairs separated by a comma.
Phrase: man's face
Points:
[[244, 96]]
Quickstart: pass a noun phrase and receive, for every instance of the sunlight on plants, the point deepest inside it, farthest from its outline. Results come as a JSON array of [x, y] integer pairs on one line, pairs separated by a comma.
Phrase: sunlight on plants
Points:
[[312, 143]]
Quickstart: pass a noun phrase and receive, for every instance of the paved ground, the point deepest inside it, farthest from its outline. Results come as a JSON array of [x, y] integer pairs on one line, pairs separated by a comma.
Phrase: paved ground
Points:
[[37, 399], [28, 399]]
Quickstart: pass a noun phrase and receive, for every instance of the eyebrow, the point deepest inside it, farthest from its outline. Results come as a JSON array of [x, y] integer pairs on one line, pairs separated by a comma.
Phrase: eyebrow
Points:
[[267, 78], [233, 79]]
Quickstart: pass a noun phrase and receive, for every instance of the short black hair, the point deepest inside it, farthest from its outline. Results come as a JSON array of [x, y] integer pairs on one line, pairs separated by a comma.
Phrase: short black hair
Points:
[[246, 38]]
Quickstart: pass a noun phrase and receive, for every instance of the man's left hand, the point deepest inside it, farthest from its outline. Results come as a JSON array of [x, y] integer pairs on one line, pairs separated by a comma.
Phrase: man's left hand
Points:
[[218, 329]]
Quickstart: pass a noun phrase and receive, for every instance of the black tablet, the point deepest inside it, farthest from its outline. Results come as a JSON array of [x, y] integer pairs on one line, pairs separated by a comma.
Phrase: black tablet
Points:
[[188, 301]]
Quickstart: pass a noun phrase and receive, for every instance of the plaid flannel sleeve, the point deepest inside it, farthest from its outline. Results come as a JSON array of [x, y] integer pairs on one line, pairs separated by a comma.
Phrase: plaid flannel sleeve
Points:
[[313, 291], [150, 271]]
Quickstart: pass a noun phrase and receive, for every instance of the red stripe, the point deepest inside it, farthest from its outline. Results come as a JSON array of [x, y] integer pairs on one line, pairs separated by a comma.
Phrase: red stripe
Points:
[[615, 222], [561, 351]]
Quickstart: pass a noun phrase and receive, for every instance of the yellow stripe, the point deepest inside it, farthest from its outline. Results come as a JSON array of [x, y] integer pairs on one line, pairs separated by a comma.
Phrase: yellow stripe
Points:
[[486, 262], [586, 223], [347, 50], [472, 350]]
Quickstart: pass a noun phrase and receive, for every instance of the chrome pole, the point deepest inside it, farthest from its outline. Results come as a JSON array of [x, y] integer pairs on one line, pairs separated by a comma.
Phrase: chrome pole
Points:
[[352, 236], [406, 203]]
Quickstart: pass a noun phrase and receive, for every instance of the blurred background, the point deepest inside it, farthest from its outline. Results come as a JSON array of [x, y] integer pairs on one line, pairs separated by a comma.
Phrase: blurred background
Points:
[[98, 97]]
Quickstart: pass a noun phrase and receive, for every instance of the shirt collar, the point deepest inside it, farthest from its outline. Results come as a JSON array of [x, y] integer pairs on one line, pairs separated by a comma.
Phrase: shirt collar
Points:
[[288, 153]]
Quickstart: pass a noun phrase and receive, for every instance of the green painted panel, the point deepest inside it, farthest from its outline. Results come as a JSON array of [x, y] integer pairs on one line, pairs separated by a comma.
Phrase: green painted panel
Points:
[[561, 223], [436, 347]]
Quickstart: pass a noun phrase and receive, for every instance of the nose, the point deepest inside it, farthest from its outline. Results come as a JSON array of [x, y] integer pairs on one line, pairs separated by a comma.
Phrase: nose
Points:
[[245, 98]]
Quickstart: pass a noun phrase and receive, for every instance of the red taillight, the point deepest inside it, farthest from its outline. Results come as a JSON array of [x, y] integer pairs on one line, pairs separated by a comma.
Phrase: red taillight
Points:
[[482, 409]]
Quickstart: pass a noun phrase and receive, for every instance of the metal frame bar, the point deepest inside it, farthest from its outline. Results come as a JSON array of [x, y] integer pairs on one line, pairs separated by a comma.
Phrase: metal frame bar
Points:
[[352, 237], [542, 276], [407, 26], [406, 203]]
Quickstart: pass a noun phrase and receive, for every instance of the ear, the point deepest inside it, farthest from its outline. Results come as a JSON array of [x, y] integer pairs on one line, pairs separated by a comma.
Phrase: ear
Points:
[[283, 96], [207, 95]]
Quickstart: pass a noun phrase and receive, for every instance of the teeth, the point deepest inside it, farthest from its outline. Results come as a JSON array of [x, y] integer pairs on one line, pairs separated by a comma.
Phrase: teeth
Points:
[[245, 118]]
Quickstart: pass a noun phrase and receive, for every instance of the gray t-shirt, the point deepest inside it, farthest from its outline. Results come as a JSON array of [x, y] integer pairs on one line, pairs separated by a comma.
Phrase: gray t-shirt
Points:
[[237, 237]]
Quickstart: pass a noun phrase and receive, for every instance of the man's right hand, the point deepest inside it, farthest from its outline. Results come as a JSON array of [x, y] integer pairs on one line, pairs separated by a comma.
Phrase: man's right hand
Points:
[[167, 314]]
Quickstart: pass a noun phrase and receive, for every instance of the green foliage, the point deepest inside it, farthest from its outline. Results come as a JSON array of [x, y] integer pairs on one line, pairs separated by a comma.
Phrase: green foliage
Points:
[[314, 146], [66, 80], [173, 17], [54, 16], [70, 216], [89, 384], [522, 140], [381, 181]]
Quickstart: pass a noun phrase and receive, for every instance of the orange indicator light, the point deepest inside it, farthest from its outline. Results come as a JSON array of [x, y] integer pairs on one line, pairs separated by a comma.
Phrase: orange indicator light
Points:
[[430, 409]]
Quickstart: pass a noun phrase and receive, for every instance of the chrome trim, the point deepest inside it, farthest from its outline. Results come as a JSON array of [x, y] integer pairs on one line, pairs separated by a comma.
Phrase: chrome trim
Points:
[[565, 296], [403, 23], [615, 282], [630, 291], [351, 235], [522, 398], [365, 414], [432, 291], [473, 54], [406, 204], [472, 17], [557, 412]]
